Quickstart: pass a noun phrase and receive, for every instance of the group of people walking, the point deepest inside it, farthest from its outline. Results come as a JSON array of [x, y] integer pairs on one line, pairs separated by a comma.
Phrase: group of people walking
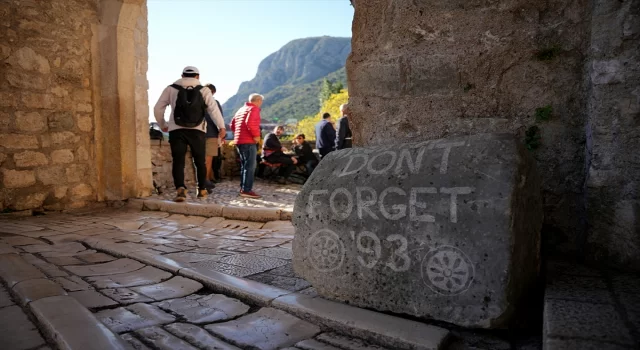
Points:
[[196, 122]]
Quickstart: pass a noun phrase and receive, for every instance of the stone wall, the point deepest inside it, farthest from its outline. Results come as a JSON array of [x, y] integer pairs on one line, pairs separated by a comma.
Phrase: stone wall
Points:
[[46, 110], [73, 108], [426, 70], [613, 126]]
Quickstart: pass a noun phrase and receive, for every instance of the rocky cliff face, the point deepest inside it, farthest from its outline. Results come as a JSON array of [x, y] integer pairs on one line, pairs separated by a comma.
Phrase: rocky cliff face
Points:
[[426, 70], [299, 62]]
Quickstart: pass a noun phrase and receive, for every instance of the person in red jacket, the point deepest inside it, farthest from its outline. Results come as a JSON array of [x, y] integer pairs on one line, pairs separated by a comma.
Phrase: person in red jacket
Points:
[[246, 135]]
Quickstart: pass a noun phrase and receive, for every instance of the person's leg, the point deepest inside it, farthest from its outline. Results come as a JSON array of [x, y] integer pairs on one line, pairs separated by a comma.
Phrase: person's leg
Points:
[[287, 166], [243, 163], [252, 152], [178, 145], [310, 165], [197, 143], [208, 163], [217, 164]]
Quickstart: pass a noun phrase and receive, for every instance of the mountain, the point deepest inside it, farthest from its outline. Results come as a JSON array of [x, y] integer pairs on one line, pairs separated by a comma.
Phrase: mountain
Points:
[[290, 78]]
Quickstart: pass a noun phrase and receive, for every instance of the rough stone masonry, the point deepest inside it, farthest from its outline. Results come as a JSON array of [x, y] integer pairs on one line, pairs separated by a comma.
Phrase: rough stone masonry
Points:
[[446, 229]]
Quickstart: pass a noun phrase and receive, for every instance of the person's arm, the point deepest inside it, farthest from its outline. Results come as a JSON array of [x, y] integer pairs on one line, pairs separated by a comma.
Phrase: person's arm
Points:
[[253, 123], [271, 142], [213, 110], [160, 107]]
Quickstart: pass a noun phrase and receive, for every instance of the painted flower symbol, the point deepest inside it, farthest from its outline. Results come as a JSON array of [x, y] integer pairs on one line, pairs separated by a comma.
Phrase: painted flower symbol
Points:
[[326, 250], [447, 270]]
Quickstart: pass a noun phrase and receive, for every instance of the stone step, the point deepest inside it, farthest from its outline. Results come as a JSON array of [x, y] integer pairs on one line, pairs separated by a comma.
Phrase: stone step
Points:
[[213, 210], [72, 326], [586, 308]]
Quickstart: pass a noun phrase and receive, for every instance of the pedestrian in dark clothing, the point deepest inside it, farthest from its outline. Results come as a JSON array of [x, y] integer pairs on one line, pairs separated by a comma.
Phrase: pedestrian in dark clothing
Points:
[[343, 133], [214, 140], [182, 133], [325, 135], [273, 152], [304, 153]]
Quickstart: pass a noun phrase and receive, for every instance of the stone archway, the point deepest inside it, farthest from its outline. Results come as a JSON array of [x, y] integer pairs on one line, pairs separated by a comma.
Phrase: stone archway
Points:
[[119, 52]]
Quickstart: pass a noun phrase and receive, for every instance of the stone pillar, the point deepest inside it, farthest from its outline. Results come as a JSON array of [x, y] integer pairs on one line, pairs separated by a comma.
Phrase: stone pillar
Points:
[[122, 141], [431, 69], [613, 161]]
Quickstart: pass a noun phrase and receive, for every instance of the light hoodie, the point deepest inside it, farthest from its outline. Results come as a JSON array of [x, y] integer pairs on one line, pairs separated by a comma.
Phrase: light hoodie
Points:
[[169, 96]]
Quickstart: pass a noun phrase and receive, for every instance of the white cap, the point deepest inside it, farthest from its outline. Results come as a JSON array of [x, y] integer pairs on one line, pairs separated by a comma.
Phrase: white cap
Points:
[[190, 70]]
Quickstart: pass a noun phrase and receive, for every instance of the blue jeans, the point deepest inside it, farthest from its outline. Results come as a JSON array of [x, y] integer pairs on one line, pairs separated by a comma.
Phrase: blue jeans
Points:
[[248, 153]]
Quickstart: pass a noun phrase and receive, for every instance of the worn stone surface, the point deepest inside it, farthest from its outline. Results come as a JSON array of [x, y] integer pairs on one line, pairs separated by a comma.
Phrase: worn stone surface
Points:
[[176, 287], [612, 110], [453, 70], [5, 299], [125, 296], [92, 299], [109, 268], [346, 342], [205, 308], [445, 229], [35, 289], [72, 283], [162, 339], [72, 326], [266, 329], [14, 269], [133, 317], [17, 331], [135, 343], [198, 337], [312, 344], [146, 275]]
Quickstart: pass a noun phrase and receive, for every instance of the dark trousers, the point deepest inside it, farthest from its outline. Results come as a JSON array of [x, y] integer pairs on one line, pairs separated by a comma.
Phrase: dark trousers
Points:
[[217, 164], [324, 151], [179, 139], [287, 164], [310, 165], [248, 153]]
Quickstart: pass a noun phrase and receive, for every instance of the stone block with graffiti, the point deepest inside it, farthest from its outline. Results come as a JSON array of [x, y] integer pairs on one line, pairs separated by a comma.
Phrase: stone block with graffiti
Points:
[[446, 229]]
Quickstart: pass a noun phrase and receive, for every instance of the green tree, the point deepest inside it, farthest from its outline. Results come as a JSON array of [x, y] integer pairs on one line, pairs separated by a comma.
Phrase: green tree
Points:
[[325, 91], [306, 126]]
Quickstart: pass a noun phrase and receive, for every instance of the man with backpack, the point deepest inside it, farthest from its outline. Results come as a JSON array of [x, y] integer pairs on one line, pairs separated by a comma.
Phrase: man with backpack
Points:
[[187, 126]]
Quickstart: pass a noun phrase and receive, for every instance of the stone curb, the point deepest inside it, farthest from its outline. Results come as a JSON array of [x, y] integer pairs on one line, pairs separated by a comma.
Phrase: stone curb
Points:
[[211, 210], [71, 326], [387, 330]]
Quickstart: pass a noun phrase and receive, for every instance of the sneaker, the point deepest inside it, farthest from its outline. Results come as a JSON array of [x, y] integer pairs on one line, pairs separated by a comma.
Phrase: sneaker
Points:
[[182, 195], [203, 193], [249, 194]]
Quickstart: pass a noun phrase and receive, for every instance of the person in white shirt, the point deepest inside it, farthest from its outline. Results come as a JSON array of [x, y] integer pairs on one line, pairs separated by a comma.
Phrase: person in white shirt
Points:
[[187, 126]]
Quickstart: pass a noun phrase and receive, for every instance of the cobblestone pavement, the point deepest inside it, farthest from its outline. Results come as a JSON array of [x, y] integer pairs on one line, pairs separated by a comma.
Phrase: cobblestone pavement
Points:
[[226, 193], [51, 277]]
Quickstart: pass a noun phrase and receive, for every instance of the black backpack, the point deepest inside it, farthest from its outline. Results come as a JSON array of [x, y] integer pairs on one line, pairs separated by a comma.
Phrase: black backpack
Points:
[[190, 106]]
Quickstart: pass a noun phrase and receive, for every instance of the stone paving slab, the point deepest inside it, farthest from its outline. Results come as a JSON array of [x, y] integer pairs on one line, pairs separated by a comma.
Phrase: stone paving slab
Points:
[[390, 331], [5, 298], [92, 299], [163, 340], [205, 308], [125, 296], [109, 268], [265, 330], [312, 344], [14, 269], [146, 275], [16, 331], [176, 287], [133, 317], [345, 342], [36, 289], [72, 326], [49, 269], [72, 283], [589, 309], [198, 337], [134, 342]]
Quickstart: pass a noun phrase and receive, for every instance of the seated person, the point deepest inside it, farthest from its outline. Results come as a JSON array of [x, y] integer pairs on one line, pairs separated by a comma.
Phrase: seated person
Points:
[[273, 152], [305, 153]]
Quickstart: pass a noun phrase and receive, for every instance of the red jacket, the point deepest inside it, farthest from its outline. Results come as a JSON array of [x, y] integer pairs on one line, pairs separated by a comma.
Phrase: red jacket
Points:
[[246, 124]]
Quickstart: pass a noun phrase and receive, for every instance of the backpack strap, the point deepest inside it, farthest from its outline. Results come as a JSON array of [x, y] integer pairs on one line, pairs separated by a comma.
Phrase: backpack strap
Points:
[[177, 87]]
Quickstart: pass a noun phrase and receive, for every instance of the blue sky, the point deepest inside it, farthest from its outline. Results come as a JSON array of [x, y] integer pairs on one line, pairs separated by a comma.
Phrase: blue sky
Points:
[[227, 39]]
